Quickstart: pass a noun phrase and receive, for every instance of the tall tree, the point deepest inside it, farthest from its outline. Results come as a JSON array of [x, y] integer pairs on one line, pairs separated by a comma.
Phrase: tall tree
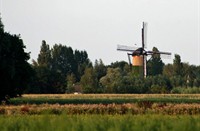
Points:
[[155, 64], [177, 65], [100, 69], [15, 71], [44, 57], [63, 60], [43, 73], [83, 62]]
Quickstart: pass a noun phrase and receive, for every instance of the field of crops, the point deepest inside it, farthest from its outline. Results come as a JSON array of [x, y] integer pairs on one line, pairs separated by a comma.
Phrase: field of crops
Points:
[[102, 112]]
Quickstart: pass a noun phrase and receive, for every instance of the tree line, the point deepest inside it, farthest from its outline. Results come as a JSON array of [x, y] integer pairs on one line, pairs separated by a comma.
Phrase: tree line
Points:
[[60, 69], [63, 70]]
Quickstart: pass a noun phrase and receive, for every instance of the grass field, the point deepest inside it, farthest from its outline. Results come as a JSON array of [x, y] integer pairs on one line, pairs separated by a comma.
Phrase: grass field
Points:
[[102, 112], [100, 123]]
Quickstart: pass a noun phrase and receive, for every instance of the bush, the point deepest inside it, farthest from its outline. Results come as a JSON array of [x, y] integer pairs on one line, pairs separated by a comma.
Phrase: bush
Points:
[[184, 90]]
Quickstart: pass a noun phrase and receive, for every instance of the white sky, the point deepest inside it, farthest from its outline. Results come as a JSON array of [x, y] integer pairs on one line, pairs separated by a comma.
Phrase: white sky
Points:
[[97, 26]]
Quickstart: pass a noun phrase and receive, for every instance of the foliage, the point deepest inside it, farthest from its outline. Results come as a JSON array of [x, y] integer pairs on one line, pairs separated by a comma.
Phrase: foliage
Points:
[[118, 64], [155, 64], [111, 80], [89, 81], [15, 71], [183, 90], [178, 66], [100, 69], [54, 66], [71, 79], [81, 57]]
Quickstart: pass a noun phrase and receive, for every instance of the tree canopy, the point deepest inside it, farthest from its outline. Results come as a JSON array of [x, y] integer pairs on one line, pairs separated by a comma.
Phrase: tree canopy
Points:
[[15, 71], [155, 64], [57, 67]]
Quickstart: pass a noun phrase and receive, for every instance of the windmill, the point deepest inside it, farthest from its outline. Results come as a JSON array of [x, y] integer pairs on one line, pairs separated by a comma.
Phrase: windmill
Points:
[[139, 54]]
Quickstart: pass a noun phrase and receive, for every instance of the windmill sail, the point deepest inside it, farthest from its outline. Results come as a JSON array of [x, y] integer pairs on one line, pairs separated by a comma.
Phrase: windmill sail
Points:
[[129, 59], [145, 66], [144, 34], [126, 48]]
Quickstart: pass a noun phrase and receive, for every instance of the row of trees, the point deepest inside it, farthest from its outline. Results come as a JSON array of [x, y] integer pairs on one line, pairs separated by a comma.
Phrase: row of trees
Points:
[[62, 70]]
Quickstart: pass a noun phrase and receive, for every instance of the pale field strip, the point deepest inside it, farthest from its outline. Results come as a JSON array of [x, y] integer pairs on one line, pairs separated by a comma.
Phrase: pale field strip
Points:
[[110, 96]]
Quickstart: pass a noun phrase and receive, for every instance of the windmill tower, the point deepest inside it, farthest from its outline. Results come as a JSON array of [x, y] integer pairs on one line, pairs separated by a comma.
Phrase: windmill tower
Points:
[[139, 54]]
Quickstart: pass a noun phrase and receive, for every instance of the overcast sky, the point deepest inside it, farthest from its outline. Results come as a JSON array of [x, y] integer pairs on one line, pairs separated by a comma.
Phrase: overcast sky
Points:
[[97, 26]]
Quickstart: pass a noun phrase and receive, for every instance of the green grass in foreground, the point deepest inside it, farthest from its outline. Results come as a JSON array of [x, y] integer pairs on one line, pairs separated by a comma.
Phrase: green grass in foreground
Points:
[[100, 123]]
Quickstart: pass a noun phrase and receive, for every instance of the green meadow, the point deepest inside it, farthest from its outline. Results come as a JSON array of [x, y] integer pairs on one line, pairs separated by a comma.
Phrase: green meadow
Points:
[[100, 123]]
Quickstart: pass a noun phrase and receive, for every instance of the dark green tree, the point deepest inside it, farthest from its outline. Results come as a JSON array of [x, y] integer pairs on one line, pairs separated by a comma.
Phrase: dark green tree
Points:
[[155, 64], [100, 69], [15, 71], [44, 57], [82, 61], [178, 66], [63, 60], [44, 77]]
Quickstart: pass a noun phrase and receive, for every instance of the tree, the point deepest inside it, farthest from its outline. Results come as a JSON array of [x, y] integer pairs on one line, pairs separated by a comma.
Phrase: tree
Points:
[[118, 64], [168, 70], [89, 81], [100, 69], [178, 66], [1, 27], [44, 58], [55, 66], [71, 80], [43, 71], [82, 60], [111, 80], [155, 64], [15, 71], [63, 60]]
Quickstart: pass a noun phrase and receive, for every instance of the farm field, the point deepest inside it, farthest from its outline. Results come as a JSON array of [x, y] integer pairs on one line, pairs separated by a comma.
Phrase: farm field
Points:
[[102, 112]]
